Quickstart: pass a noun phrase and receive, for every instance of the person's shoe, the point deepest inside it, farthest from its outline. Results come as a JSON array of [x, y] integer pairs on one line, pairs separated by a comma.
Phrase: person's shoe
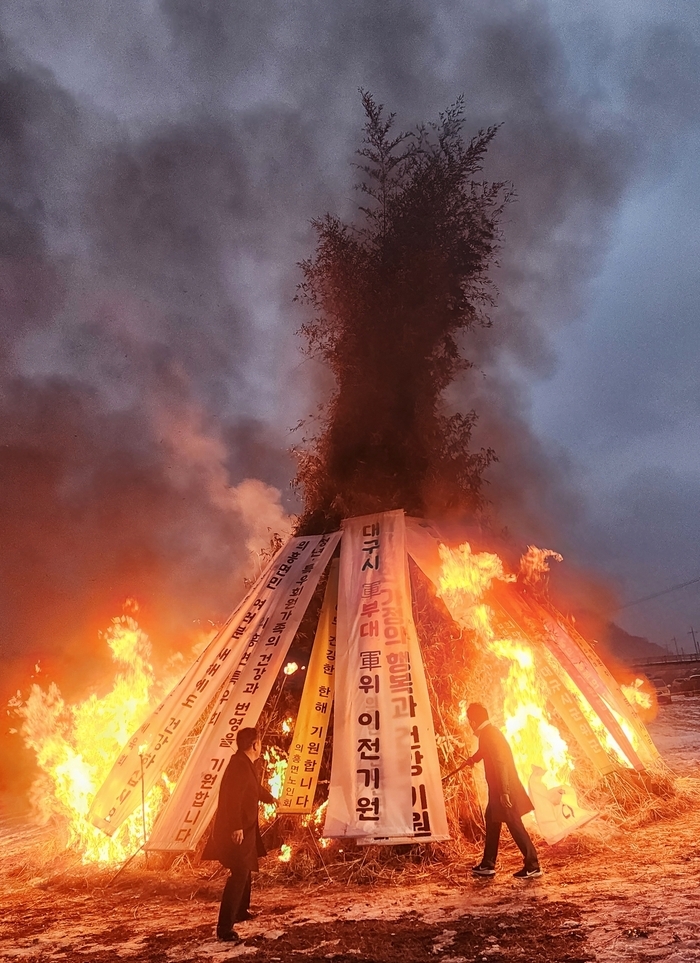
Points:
[[480, 870], [528, 873], [245, 916], [231, 937]]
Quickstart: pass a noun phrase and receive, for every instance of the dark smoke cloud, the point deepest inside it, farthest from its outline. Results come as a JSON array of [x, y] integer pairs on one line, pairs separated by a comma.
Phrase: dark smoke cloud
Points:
[[158, 168]]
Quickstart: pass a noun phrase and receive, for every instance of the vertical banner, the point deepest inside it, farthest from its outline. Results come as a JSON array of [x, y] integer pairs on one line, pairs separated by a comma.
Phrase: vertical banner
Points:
[[186, 815], [588, 681], [385, 779], [553, 678], [164, 732], [311, 727]]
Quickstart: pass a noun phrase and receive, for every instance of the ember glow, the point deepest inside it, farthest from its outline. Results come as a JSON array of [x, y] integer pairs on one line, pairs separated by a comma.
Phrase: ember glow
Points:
[[76, 745], [276, 768]]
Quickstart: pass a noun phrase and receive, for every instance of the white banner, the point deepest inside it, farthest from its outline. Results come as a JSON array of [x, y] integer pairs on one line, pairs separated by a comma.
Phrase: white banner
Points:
[[557, 812], [385, 780], [162, 735], [267, 639]]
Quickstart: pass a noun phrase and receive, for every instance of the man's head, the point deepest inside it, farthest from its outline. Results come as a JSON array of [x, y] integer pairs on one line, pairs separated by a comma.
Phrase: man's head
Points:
[[248, 741], [477, 715]]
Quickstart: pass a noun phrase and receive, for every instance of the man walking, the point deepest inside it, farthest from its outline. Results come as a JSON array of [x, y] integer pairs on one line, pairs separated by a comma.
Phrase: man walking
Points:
[[508, 801], [236, 840]]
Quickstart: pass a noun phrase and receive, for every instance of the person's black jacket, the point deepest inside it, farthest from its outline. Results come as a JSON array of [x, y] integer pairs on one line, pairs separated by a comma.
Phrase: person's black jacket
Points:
[[501, 774], [239, 795]]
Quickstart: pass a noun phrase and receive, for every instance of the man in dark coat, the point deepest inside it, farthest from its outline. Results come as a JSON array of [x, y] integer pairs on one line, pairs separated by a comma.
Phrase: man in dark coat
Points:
[[508, 801], [235, 840]]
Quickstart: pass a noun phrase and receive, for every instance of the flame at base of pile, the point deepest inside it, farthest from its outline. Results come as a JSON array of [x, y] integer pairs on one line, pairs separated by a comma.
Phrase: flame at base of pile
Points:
[[76, 745], [559, 708], [556, 702]]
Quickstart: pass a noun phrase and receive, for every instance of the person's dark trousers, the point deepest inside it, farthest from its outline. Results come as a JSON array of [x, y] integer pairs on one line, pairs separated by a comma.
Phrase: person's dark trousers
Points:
[[244, 904], [234, 901], [519, 834]]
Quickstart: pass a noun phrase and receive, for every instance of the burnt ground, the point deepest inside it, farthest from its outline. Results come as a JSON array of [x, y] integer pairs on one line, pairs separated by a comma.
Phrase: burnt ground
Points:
[[609, 895]]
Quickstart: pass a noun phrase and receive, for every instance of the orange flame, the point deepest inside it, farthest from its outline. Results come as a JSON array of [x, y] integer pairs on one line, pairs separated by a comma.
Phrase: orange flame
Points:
[[276, 765], [76, 745], [637, 696], [535, 741], [534, 564]]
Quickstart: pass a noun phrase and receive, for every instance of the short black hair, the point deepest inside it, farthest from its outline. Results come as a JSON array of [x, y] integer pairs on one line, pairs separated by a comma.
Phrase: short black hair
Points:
[[246, 738], [477, 713]]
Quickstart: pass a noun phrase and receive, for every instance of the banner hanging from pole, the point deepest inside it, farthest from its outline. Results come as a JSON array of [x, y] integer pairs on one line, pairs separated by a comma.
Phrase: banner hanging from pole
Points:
[[311, 727], [385, 778], [186, 815]]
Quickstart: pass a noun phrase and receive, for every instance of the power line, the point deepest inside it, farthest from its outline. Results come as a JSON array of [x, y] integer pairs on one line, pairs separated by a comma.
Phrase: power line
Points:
[[656, 595]]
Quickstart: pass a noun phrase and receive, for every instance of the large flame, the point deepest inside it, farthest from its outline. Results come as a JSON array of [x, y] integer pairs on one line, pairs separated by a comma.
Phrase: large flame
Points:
[[517, 696], [76, 745], [464, 578]]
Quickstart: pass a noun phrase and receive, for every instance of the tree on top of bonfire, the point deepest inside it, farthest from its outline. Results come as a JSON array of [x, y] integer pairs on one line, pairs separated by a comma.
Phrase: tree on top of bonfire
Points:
[[390, 298]]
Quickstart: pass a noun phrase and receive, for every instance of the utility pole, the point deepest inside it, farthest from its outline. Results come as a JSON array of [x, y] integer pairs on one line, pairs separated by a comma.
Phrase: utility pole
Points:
[[695, 641], [675, 641]]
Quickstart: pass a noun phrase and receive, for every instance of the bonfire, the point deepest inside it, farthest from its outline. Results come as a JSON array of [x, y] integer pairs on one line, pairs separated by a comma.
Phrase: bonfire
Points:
[[571, 745], [431, 622]]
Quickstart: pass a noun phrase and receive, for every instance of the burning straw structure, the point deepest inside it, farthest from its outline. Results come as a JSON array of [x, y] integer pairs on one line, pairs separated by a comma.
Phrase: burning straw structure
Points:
[[393, 298], [483, 634], [569, 722]]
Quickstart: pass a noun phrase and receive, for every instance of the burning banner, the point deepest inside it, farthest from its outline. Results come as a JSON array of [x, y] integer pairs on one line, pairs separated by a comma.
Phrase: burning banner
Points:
[[385, 778], [550, 668], [553, 693], [265, 642], [311, 728], [536, 624], [157, 742]]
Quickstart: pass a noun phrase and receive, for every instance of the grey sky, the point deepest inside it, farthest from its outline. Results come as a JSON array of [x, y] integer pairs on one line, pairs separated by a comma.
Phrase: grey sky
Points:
[[160, 165]]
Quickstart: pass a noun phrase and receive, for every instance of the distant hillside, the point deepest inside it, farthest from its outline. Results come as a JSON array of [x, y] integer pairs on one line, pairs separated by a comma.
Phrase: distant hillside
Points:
[[615, 646], [629, 648]]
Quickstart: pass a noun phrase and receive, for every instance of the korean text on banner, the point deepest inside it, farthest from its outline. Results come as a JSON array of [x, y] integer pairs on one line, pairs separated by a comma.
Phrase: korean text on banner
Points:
[[311, 727], [429, 817], [164, 732], [188, 811], [385, 779]]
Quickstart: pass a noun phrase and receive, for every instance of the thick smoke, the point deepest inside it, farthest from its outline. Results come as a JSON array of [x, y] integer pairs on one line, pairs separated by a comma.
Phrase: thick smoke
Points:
[[159, 165]]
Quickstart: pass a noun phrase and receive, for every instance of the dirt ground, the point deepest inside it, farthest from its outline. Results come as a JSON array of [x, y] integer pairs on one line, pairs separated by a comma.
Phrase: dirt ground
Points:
[[608, 895]]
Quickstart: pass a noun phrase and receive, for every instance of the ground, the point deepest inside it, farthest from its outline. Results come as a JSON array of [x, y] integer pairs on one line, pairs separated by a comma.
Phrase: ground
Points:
[[609, 895]]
